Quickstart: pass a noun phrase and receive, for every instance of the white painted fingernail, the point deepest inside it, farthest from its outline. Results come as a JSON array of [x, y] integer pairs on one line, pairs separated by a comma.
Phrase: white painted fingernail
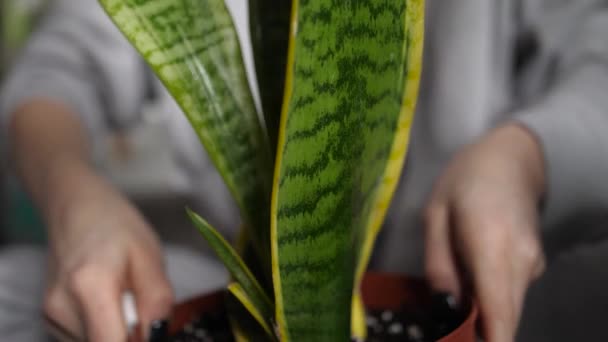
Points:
[[129, 311]]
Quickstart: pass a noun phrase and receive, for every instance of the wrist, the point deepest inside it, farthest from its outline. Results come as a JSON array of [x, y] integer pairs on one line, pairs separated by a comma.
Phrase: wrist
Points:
[[50, 152], [523, 147], [68, 180]]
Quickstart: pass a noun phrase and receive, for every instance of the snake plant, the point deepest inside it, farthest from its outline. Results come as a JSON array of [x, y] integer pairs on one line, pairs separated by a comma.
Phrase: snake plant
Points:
[[338, 82]]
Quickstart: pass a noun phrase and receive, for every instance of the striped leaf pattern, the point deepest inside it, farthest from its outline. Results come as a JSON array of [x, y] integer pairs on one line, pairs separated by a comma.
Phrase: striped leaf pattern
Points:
[[414, 21], [352, 79], [249, 285], [351, 83], [193, 48]]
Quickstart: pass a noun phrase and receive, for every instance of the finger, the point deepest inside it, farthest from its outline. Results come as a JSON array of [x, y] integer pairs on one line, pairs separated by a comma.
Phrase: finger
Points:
[[528, 264], [153, 292], [487, 259], [98, 293], [440, 264], [530, 258], [61, 313], [491, 282]]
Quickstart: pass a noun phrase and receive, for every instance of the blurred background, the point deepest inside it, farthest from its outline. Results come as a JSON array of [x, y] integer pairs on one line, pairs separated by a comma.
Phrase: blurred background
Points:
[[17, 20], [138, 160]]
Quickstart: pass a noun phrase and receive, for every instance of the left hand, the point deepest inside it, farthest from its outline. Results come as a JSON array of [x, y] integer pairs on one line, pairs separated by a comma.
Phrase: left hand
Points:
[[482, 226]]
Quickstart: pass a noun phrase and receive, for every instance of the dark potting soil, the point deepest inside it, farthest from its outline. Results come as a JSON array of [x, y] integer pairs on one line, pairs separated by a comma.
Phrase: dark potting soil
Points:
[[423, 325], [407, 325], [210, 327]]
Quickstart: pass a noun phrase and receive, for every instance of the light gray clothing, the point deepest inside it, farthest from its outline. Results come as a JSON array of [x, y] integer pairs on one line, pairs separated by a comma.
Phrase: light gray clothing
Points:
[[469, 85], [22, 279], [543, 63]]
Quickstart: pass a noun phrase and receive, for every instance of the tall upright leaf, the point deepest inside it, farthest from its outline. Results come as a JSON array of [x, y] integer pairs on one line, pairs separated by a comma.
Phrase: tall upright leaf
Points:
[[352, 74], [193, 48], [414, 19], [269, 25]]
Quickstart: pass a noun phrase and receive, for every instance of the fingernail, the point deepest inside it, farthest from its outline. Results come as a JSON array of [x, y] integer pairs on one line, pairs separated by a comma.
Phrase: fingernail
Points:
[[444, 300], [445, 312], [446, 309], [159, 331]]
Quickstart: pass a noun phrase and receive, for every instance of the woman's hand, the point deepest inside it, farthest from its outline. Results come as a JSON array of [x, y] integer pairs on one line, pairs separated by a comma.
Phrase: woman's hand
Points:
[[482, 226], [101, 247]]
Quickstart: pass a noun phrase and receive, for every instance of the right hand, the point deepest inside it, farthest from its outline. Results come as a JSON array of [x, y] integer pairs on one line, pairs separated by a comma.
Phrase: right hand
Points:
[[100, 247], [482, 226]]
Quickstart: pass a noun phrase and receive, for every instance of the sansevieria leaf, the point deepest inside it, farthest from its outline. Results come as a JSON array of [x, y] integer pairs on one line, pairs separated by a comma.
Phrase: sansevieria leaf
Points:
[[269, 22], [237, 291], [250, 291], [352, 79], [244, 326], [193, 48], [394, 165]]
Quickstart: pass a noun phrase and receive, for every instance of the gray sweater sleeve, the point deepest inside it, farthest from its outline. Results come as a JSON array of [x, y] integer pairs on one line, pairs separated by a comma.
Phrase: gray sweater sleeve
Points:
[[78, 58], [571, 122]]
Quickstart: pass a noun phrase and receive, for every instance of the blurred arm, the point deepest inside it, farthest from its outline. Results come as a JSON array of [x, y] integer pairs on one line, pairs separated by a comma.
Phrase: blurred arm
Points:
[[49, 147], [571, 123], [77, 58], [77, 78]]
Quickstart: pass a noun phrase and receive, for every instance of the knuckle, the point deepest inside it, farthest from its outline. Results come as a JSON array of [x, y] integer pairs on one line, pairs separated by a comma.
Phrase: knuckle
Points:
[[530, 251], [438, 275], [53, 303], [163, 298], [145, 251], [84, 279], [158, 302], [137, 251], [531, 255]]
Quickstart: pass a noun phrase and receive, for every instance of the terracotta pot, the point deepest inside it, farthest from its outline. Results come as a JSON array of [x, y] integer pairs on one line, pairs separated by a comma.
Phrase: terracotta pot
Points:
[[380, 292], [387, 291]]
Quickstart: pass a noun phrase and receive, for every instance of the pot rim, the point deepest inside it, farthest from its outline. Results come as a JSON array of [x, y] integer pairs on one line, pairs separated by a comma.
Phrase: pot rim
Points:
[[188, 310]]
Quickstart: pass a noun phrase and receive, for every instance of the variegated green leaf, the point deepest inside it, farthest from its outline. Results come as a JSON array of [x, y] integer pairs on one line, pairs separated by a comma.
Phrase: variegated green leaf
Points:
[[193, 48], [358, 321], [394, 166], [353, 73], [245, 328], [269, 23], [237, 291], [255, 295]]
